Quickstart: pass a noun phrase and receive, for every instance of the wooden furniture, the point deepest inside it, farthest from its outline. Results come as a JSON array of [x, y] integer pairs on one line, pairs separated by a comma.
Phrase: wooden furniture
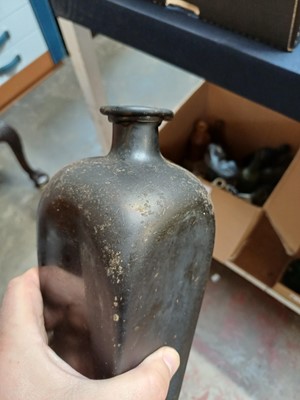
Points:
[[26, 50], [28, 53], [10, 136]]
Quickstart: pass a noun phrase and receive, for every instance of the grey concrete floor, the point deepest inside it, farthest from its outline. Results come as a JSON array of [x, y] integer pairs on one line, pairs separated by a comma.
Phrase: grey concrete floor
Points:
[[247, 346]]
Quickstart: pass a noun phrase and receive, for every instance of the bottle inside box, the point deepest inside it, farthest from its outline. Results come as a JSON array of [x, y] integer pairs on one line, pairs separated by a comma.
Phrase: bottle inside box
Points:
[[260, 241], [251, 175]]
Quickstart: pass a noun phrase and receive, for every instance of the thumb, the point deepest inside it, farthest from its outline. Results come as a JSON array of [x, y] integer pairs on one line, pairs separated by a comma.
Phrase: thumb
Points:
[[148, 381], [151, 379]]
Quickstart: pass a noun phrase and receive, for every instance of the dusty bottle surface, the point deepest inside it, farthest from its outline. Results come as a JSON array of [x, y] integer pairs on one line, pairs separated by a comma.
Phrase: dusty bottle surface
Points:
[[124, 244]]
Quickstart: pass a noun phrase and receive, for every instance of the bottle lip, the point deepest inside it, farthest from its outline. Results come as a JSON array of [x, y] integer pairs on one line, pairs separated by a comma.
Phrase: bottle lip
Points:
[[136, 113]]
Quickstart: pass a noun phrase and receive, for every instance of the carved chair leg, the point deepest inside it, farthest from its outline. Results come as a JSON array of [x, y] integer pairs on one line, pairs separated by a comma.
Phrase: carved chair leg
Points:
[[12, 138]]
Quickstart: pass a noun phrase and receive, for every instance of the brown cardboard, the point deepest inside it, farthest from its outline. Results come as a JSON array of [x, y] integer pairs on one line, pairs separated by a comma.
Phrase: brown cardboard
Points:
[[174, 135], [283, 208], [249, 125], [287, 293], [234, 218], [261, 253], [260, 240]]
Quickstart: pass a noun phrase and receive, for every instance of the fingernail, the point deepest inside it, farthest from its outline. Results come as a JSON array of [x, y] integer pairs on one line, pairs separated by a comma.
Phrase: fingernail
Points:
[[171, 359]]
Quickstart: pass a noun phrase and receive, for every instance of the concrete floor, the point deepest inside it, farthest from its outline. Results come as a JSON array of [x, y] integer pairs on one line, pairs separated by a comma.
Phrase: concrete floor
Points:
[[247, 345]]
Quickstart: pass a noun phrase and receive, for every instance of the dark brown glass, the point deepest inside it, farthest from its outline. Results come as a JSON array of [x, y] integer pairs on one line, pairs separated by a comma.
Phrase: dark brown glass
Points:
[[124, 244]]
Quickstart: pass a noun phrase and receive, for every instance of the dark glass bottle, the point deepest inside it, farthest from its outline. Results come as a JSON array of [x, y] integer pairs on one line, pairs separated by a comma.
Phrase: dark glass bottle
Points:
[[198, 141], [124, 244]]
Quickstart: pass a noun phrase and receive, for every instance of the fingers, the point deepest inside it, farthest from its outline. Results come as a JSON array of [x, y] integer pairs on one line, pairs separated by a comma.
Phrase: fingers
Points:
[[23, 307], [22, 328], [148, 381], [64, 298]]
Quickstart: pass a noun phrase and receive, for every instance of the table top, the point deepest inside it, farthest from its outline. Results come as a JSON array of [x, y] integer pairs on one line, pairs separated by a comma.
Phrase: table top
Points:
[[254, 70]]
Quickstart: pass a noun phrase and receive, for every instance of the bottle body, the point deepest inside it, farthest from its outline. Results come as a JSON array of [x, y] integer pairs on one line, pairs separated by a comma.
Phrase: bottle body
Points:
[[131, 237]]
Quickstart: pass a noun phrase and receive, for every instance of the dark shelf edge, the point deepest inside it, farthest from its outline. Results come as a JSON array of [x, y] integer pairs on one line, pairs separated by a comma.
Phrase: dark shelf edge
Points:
[[256, 71]]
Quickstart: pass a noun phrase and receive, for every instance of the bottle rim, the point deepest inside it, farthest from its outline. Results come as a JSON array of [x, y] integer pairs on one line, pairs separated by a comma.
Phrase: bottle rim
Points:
[[136, 113]]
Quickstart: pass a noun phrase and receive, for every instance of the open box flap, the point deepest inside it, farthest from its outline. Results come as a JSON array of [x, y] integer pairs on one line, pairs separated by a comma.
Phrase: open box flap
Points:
[[283, 207], [234, 218], [261, 252]]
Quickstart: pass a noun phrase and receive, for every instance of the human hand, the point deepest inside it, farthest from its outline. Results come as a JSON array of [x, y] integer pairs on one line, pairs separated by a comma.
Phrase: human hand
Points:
[[30, 370]]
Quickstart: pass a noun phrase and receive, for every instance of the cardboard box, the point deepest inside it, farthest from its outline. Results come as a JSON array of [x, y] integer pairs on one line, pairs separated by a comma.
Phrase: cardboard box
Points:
[[275, 22], [258, 241], [287, 293]]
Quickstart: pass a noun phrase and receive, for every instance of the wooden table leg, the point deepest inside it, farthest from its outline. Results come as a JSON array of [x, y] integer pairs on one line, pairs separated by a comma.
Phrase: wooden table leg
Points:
[[12, 138]]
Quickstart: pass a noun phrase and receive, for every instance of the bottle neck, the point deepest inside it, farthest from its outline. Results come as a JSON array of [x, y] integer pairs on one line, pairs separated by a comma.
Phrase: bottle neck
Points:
[[137, 141]]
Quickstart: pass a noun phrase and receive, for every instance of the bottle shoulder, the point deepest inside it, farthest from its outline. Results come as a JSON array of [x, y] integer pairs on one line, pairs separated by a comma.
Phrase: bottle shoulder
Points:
[[106, 183]]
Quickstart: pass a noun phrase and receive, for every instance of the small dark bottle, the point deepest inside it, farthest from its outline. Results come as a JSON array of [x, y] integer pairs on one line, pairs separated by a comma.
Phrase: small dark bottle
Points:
[[198, 141], [217, 133], [124, 244], [248, 179]]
